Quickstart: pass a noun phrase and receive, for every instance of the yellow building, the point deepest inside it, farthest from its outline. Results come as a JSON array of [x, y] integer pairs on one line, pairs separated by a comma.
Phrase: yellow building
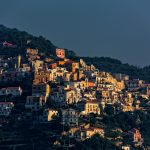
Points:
[[42, 76], [85, 131], [108, 78], [37, 64], [19, 61], [127, 107], [78, 84], [48, 115], [92, 107], [75, 66], [61, 62]]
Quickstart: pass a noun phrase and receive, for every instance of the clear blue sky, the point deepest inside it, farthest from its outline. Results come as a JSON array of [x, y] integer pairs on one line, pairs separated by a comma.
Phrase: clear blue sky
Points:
[[115, 28]]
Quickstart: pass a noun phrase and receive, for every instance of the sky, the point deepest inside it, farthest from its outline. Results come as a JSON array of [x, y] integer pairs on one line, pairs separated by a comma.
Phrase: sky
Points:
[[110, 28]]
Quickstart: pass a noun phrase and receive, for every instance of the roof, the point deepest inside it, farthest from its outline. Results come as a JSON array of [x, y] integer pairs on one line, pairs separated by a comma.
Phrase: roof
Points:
[[51, 109], [11, 88], [6, 103], [92, 102]]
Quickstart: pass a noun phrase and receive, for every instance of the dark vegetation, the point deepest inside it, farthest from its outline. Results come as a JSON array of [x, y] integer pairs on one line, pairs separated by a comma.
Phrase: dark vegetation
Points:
[[22, 40], [19, 40]]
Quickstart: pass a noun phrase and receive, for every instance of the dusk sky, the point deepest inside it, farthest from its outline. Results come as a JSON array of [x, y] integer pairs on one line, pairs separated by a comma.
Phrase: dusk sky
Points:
[[116, 28]]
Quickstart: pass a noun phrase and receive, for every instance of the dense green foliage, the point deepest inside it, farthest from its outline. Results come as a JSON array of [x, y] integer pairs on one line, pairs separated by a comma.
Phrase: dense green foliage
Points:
[[115, 66]]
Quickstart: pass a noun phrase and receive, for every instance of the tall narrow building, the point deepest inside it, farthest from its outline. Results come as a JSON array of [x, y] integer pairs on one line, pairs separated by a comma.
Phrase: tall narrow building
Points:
[[19, 61]]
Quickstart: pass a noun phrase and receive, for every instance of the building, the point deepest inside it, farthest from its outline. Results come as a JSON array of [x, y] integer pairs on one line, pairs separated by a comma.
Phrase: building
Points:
[[42, 76], [52, 66], [30, 51], [120, 77], [14, 91], [133, 85], [72, 95], [134, 136], [6, 108], [89, 132], [70, 117], [19, 61], [35, 103], [127, 107], [41, 89], [85, 131], [60, 53], [126, 147], [78, 84], [48, 115], [37, 64], [92, 106], [75, 65]]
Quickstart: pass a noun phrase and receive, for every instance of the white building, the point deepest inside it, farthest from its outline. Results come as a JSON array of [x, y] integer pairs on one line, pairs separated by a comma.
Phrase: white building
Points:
[[35, 103], [5, 108], [14, 91], [70, 117]]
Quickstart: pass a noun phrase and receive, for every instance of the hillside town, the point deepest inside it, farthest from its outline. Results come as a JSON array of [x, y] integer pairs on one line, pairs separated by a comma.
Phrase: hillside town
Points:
[[56, 102]]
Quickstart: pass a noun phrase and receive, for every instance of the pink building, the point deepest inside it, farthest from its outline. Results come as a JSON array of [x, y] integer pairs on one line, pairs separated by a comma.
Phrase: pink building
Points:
[[60, 53]]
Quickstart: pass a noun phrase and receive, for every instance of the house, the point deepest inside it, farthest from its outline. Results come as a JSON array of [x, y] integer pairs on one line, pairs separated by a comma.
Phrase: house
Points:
[[133, 85], [37, 64], [126, 107], [42, 76], [48, 115], [134, 136], [91, 84], [89, 132], [57, 95], [70, 117], [60, 53], [30, 51], [104, 77], [78, 84], [41, 89], [25, 68], [72, 95], [126, 102], [52, 65], [85, 131], [92, 106], [126, 147], [107, 96], [35, 103], [6, 108], [75, 65], [61, 62], [14, 91], [120, 77]]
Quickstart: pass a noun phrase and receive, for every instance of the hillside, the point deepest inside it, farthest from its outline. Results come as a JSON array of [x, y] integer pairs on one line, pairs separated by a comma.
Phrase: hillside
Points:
[[21, 40]]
